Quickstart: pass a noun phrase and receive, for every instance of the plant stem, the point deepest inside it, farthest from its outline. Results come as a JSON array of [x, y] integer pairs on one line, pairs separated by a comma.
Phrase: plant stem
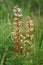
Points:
[[2, 61]]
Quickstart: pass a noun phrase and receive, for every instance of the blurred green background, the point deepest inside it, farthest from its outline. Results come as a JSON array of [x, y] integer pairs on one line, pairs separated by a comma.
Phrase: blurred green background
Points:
[[33, 8]]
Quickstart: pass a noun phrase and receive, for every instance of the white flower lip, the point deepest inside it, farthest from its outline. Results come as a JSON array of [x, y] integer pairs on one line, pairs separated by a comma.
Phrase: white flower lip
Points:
[[31, 21], [19, 9], [15, 18], [31, 29], [18, 15], [31, 37]]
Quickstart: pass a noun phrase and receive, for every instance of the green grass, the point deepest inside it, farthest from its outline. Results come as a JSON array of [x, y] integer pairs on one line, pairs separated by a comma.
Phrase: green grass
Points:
[[7, 58]]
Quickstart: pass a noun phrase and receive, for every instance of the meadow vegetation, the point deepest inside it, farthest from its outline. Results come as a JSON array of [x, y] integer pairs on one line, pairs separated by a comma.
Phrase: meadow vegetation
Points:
[[32, 8]]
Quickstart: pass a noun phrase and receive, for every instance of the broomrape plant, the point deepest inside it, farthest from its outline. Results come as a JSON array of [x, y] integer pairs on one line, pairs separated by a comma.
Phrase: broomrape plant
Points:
[[18, 38], [29, 35], [22, 41], [22, 44]]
